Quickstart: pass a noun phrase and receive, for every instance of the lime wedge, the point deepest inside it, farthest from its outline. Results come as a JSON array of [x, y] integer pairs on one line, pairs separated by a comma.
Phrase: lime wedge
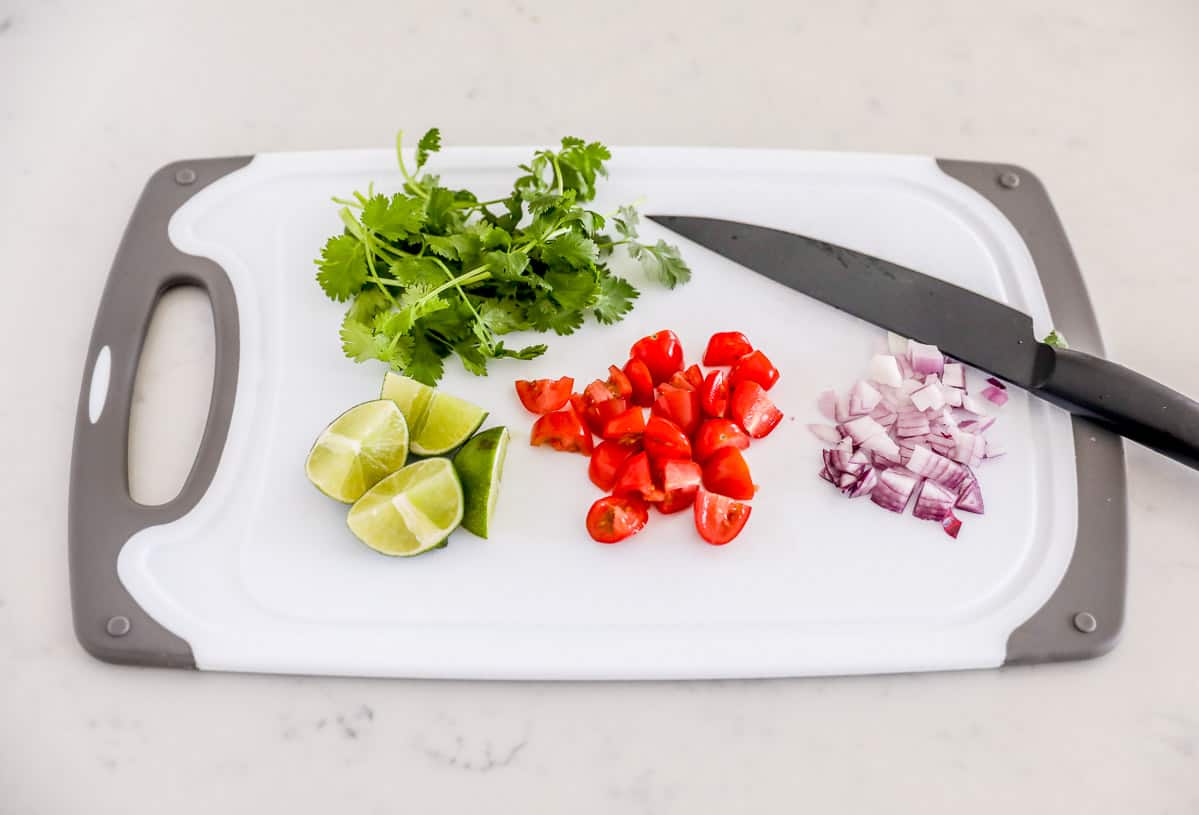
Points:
[[411, 511], [361, 447], [447, 423], [480, 465], [410, 396]]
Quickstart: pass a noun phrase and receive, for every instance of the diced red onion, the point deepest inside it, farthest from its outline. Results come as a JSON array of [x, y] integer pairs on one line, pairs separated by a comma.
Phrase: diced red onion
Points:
[[925, 359], [954, 375], [994, 449], [827, 476], [911, 423], [940, 443], [953, 396], [882, 445], [970, 495], [995, 395], [972, 405], [910, 386], [897, 344], [978, 425], [884, 369], [862, 428], [847, 480], [929, 397], [967, 447], [924, 462], [826, 433], [933, 502], [995, 383], [894, 489], [883, 415], [863, 398], [827, 403], [843, 414], [866, 483]]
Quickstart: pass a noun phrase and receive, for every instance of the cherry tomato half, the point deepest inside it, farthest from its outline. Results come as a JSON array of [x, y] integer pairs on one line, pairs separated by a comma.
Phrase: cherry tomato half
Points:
[[661, 352], [679, 380], [563, 430], [627, 425], [680, 481], [753, 410], [612, 519], [598, 415], [544, 395], [606, 460], [634, 478], [664, 439], [618, 383], [726, 473], [714, 395], [726, 347], [755, 367], [715, 434], [679, 406], [641, 381], [694, 376], [719, 518]]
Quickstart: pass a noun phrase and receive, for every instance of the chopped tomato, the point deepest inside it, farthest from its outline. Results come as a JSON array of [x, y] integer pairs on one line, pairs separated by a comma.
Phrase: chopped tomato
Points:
[[695, 376], [626, 425], [661, 353], [679, 381], [726, 472], [612, 519], [634, 477], [599, 414], [719, 518], [606, 460], [716, 434], [618, 383], [641, 381], [726, 347], [599, 391], [679, 406], [563, 430], [680, 480], [753, 410], [544, 395], [664, 439], [755, 367], [714, 395]]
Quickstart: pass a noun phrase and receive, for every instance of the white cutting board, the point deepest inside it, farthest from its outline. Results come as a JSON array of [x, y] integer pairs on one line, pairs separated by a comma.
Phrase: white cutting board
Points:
[[262, 575]]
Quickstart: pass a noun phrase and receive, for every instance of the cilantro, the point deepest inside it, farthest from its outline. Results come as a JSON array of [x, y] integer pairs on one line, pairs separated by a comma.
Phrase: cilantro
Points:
[[431, 271], [1056, 340]]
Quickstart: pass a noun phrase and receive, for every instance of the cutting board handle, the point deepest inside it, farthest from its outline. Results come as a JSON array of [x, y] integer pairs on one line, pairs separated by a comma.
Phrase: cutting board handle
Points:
[[102, 514]]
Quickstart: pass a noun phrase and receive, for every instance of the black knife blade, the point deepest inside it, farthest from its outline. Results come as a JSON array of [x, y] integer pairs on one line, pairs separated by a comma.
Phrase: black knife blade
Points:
[[964, 324]]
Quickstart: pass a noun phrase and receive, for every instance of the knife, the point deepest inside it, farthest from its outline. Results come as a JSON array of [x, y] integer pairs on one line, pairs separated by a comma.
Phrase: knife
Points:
[[967, 326]]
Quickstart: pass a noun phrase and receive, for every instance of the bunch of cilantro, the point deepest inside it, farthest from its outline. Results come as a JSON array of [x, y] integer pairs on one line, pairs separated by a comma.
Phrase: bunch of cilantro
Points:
[[430, 271]]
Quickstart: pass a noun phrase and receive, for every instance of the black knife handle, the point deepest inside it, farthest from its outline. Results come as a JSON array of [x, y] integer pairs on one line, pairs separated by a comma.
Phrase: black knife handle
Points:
[[1127, 403]]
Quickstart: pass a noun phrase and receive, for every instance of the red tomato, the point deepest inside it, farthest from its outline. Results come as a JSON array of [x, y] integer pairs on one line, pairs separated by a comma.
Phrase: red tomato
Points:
[[597, 415], [613, 519], [664, 439], [544, 395], [618, 383], [714, 395], [629, 424], [606, 460], [634, 478], [715, 434], [599, 391], [563, 430], [661, 353], [755, 367], [719, 518], [679, 406], [679, 381], [694, 376], [680, 480], [753, 410], [641, 381], [726, 347], [726, 473]]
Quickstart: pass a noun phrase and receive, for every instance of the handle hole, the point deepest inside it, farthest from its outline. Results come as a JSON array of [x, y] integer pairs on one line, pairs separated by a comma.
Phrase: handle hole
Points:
[[171, 394]]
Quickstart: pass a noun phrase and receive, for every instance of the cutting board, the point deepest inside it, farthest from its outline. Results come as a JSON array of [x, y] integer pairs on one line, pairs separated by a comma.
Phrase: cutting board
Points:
[[251, 569]]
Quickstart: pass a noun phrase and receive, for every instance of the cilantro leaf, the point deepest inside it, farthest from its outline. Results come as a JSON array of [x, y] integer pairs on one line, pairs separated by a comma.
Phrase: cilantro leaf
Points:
[[424, 363], [440, 209], [367, 304], [571, 249], [474, 360], [572, 290], [396, 218], [528, 352], [625, 221], [661, 261], [442, 246], [616, 296], [412, 271], [506, 266], [342, 267], [1056, 340], [429, 143], [358, 342], [548, 316], [503, 316]]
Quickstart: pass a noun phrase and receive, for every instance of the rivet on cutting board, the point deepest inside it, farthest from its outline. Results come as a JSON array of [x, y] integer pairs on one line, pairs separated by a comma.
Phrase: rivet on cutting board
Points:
[[1009, 179], [118, 626], [188, 176], [1085, 622]]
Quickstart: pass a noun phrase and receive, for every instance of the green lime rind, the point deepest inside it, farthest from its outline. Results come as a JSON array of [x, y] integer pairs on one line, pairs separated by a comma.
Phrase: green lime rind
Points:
[[357, 450], [411, 511], [410, 396], [447, 423], [480, 466]]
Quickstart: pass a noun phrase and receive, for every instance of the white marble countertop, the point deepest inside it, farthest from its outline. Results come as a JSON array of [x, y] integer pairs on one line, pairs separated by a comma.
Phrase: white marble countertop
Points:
[[1099, 98]]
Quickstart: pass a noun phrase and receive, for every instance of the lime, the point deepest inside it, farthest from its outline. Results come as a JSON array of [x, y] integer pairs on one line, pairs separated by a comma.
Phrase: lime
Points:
[[410, 396], [447, 423], [480, 465], [411, 511], [361, 446]]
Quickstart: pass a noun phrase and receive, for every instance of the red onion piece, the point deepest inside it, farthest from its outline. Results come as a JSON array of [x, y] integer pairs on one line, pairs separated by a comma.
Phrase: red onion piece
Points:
[[995, 395], [970, 495], [882, 445], [926, 463], [933, 502], [972, 405], [897, 344], [894, 489], [930, 397], [977, 425], [863, 398], [862, 428], [953, 396], [911, 423], [925, 359], [847, 480], [954, 375], [884, 369], [994, 449], [826, 433], [967, 447], [995, 383], [866, 483], [827, 404]]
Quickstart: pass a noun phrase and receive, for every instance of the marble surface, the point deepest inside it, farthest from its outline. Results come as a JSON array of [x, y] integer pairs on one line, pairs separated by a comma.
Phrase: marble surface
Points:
[[1098, 97]]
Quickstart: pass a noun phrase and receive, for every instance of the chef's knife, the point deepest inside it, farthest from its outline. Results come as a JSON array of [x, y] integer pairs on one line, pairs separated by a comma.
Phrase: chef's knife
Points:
[[965, 325]]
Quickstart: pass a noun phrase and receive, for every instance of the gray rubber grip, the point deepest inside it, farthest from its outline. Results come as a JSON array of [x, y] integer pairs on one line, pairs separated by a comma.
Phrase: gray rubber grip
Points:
[[102, 515]]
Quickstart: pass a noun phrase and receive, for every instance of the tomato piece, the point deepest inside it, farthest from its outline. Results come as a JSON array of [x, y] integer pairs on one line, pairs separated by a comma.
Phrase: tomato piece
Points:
[[641, 381], [664, 439], [562, 430], [679, 406], [606, 460], [716, 434], [628, 424], [755, 367], [618, 383], [661, 352], [599, 391], [753, 410], [694, 376], [544, 395], [719, 518], [634, 478], [680, 481], [714, 395], [679, 381], [726, 347], [726, 473], [612, 519], [598, 415]]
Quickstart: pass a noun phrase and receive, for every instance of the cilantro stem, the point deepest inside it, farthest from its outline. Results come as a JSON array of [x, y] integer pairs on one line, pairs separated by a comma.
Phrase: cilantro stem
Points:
[[557, 172], [465, 299], [412, 182]]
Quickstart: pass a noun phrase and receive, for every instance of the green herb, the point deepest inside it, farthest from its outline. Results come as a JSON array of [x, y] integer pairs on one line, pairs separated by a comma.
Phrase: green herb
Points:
[[1056, 340], [431, 271]]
